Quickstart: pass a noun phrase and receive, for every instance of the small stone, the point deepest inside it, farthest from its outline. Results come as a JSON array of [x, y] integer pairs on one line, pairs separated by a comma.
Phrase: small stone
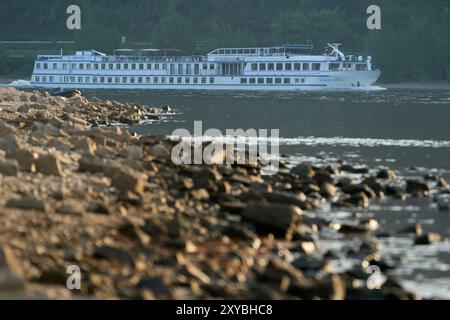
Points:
[[200, 194], [328, 190], [27, 203], [9, 168], [134, 232], [129, 181], [114, 254], [49, 165]]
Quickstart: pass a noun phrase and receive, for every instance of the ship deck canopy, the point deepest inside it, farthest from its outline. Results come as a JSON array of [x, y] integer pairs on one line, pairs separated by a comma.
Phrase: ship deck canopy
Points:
[[265, 51]]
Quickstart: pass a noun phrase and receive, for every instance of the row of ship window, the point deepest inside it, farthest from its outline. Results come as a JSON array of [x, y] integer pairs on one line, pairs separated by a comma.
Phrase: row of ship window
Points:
[[306, 66], [126, 66], [139, 80], [162, 80]]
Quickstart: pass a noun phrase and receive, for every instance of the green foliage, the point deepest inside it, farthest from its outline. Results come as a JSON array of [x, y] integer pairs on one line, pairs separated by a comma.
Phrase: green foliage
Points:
[[413, 45]]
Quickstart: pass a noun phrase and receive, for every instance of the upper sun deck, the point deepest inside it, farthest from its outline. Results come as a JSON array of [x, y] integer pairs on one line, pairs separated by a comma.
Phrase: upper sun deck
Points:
[[263, 51]]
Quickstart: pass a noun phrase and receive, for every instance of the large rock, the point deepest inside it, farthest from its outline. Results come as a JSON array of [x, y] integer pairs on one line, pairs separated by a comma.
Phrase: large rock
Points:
[[129, 181], [278, 219], [27, 203], [25, 158], [9, 168], [49, 165]]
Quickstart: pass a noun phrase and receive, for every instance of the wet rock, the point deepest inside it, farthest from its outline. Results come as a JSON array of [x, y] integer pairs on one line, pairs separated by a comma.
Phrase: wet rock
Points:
[[286, 198], [49, 165], [9, 168], [328, 190], [304, 170], [417, 188], [27, 203], [206, 179], [358, 200], [129, 181], [355, 169], [427, 239], [359, 188], [279, 219], [386, 174]]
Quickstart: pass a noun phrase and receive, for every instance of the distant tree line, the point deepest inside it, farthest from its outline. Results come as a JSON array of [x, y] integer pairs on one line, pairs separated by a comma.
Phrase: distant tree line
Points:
[[413, 45]]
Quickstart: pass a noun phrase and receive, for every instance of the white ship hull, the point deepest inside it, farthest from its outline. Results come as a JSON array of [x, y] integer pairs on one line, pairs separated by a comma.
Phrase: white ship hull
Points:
[[262, 69]]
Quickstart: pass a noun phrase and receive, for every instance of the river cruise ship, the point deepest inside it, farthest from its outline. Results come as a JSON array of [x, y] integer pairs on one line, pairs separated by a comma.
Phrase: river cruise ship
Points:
[[288, 67]]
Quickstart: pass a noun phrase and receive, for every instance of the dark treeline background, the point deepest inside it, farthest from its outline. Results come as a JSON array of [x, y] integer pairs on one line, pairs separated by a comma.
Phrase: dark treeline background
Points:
[[413, 45]]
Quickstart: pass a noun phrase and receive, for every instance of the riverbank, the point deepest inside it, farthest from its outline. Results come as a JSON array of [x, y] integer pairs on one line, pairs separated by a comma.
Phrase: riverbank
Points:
[[77, 190]]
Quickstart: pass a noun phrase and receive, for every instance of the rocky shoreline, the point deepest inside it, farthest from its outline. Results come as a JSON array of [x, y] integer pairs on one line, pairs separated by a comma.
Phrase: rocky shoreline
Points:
[[78, 190]]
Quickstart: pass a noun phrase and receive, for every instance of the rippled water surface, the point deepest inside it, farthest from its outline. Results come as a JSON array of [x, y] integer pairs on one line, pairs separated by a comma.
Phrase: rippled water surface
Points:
[[401, 129]]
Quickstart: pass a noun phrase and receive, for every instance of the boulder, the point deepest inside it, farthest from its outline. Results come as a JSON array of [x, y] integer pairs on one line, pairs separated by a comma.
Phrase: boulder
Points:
[[49, 165], [27, 203], [9, 168], [278, 219], [129, 181]]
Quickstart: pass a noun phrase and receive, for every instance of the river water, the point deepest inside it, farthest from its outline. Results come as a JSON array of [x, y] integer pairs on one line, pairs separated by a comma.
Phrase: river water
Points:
[[406, 130]]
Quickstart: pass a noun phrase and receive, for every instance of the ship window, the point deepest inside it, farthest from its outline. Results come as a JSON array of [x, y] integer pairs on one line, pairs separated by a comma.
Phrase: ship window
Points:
[[252, 80], [179, 80], [64, 66], [205, 66], [38, 66], [81, 66], [334, 66], [240, 51], [125, 66], [156, 66], [279, 66], [164, 66], [149, 66], [361, 67], [155, 80], [288, 66], [306, 66], [316, 66], [195, 80], [270, 67], [262, 67], [94, 79], [45, 66], [102, 79], [140, 80], [55, 66], [260, 80], [110, 79], [163, 80], [211, 67], [72, 79], [187, 80], [103, 66], [141, 66], [188, 69], [233, 51], [147, 80], [246, 51], [302, 80], [254, 67], [287, 80], [117, 80], [203, 80], [133, 66], [297, 80], [297, 66], [74, 66], [227, 51], [80, 79], [117, 66], [132, 80], [243, 80], [196, 69], [252, 51], [269, 80], [180, 68], [277, 80], [96, 66], [211, 80], [50, 79], [171, 80], [37, 79]]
